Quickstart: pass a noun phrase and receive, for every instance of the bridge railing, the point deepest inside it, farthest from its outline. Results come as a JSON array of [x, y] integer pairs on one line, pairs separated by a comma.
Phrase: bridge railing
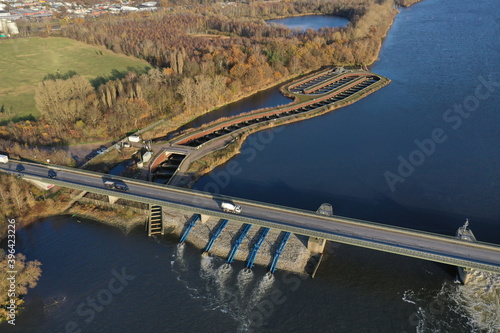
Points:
[[242, 202], [413, 251]]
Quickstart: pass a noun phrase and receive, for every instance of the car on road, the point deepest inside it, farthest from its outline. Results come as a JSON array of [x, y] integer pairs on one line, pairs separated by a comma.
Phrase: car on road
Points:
[[121, 187], [52, 174], [20, 168], [113, 185]]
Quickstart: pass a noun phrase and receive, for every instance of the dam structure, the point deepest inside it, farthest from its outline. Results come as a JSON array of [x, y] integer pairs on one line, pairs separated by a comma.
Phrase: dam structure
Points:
[[315, 227]]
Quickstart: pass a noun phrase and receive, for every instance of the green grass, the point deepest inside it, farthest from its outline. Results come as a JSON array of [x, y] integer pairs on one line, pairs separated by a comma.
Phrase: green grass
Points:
[[25, 62]]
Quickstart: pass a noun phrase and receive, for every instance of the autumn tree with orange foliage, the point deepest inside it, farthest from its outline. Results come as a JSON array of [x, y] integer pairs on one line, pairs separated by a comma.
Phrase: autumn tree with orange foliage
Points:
[[27, 275]]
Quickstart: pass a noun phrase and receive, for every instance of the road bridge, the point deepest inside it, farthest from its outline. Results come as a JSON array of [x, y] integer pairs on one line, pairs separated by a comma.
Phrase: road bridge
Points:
[[407, 242]]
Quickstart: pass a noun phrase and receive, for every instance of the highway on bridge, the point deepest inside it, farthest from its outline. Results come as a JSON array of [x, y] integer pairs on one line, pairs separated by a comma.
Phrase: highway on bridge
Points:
[[413, 243]]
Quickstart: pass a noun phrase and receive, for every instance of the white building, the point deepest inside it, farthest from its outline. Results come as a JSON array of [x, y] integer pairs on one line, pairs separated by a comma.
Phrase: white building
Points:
[[8, 27]]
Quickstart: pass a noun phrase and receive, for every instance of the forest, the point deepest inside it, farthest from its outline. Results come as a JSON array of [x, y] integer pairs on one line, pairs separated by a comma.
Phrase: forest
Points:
[[204, 56]]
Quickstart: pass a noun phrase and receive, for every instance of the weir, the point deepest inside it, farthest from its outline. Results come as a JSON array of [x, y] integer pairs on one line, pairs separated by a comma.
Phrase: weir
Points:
[[238, 242], [256, 248], [189, 227], [278, 252], [215, 235]]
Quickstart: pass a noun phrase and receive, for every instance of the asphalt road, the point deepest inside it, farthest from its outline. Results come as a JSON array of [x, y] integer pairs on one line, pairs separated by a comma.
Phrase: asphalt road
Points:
[[286, 218]]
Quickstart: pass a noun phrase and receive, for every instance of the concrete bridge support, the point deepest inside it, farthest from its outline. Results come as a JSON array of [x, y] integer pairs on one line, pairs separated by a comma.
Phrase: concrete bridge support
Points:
[[204, 218], [112, 199], [316, 245]]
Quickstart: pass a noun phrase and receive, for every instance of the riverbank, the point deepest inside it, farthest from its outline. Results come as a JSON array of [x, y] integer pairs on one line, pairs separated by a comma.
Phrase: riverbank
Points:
[[60, 202]]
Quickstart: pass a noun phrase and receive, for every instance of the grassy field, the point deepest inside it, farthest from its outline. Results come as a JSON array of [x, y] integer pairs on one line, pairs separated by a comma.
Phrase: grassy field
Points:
[[25, 62]]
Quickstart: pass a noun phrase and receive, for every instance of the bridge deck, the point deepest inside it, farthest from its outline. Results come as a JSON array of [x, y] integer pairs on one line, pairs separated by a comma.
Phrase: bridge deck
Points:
[[413, 243]]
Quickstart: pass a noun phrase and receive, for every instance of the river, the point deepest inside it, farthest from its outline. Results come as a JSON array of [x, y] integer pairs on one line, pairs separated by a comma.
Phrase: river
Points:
[[315, 22], [437, 53]]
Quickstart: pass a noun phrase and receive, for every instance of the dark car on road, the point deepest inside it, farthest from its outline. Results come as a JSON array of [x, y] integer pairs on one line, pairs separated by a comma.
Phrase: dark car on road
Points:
[[52, 174], [121, 187], [20, 168]]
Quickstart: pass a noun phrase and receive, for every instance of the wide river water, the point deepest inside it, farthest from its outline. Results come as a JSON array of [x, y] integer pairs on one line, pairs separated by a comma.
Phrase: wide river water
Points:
[[438, 54]]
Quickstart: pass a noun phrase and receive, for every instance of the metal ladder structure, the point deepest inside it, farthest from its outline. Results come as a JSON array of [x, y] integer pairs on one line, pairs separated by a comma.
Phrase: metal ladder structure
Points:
[[190, 226], [237, 243], [155, 225], [278, 252], [215, 235], [256, 248]]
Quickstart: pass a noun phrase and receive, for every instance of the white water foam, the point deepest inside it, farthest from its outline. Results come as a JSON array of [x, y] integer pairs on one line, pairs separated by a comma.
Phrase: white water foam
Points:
[[407, 295], [244, 278], [481, 300], [178, 256], [207, 267], [261, 290], [470, 308], [223, 289]]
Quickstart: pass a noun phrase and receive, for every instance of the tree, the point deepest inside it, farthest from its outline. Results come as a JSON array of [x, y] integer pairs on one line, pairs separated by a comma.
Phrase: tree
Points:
[[16, 193], [63, 101], [26, 276]]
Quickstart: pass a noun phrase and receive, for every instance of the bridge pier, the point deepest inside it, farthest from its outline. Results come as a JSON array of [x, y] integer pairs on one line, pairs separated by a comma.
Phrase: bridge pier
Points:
[[112, 199], [316, 245], [204, 218]]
